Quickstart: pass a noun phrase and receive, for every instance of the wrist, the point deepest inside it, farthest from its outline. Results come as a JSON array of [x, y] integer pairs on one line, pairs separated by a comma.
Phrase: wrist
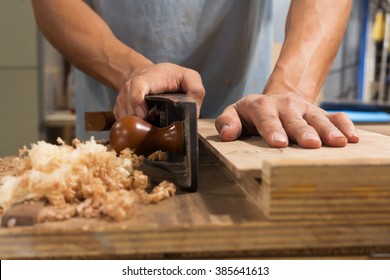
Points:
[[134, 64], [282, 81]]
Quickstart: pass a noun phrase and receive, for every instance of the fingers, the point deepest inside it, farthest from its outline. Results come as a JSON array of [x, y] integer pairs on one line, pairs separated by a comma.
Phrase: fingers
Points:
[[300, 131], [345, 125], [271, 129], [193, 86], [228, 124], [329, 133], [156, 79], [304, 123], [261, 111], [139, 87], [121, 106], [257, 116], [130, 100], [336, 130], [278, 118]]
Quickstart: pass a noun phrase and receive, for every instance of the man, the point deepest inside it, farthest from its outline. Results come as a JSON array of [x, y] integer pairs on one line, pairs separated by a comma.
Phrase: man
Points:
[[146, 47]]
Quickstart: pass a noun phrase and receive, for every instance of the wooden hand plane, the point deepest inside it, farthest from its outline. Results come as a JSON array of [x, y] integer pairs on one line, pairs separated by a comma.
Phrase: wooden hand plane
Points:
[[171, 126]]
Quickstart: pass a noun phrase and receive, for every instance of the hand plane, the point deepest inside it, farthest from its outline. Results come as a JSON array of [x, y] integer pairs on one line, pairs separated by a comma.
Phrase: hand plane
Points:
[[171, 126]]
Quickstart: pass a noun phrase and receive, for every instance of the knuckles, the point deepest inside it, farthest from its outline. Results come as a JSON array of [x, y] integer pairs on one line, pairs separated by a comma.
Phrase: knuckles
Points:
[[339, 117]]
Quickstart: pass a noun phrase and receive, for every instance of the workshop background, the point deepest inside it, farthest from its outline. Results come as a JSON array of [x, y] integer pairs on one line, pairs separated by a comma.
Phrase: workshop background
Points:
[[36, 82]]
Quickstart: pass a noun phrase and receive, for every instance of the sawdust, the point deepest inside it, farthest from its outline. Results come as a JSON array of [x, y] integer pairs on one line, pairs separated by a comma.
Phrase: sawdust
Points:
[[83, 180]]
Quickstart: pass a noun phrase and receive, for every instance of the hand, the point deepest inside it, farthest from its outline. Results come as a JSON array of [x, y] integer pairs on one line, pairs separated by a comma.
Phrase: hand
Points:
[[279, 117], [155, 79]]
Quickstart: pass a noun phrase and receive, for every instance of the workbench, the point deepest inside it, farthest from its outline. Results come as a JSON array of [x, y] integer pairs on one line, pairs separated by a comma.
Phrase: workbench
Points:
[[220, 220]]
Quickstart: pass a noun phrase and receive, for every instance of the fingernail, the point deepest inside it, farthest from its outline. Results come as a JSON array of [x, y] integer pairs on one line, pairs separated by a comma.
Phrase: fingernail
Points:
[[224, 128], [311, 136], [336, 134], [140, 112], [278, 137], [354, 133]]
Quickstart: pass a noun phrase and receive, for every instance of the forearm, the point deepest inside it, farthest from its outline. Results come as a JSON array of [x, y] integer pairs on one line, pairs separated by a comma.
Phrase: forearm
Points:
[[87, 41], [314, 30]]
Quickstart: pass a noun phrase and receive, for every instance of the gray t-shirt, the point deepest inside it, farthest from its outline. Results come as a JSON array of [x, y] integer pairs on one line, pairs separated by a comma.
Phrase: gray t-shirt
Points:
[[227, 41]]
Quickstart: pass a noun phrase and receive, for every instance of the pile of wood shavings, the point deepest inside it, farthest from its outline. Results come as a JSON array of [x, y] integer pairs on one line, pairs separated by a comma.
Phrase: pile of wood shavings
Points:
[[86, 180]]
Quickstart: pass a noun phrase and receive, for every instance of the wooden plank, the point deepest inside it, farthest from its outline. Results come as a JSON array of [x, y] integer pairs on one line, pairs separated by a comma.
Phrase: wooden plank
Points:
[[343, 187], [295, 183], [102, 239], [247, 155]]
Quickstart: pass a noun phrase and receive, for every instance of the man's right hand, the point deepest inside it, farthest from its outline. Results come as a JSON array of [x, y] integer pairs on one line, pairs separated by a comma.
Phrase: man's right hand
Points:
[[157, 79]]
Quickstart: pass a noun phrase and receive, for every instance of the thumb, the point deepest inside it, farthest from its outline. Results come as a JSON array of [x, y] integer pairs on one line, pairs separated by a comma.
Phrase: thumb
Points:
[[228, 124]]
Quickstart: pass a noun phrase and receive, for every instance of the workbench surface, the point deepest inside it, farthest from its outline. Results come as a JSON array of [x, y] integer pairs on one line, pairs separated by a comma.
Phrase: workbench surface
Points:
[[218, 221]]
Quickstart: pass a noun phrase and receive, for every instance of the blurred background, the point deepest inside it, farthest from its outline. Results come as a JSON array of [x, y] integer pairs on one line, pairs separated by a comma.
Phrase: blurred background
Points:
[[36, 86]]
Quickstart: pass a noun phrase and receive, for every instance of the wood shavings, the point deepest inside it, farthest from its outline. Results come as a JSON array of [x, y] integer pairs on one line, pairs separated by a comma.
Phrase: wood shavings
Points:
[[83, 180], [158, 156]]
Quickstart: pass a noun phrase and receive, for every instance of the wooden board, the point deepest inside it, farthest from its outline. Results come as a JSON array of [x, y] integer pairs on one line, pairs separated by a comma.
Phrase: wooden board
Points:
[[297, 183], [218, 221], [245, 157]]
